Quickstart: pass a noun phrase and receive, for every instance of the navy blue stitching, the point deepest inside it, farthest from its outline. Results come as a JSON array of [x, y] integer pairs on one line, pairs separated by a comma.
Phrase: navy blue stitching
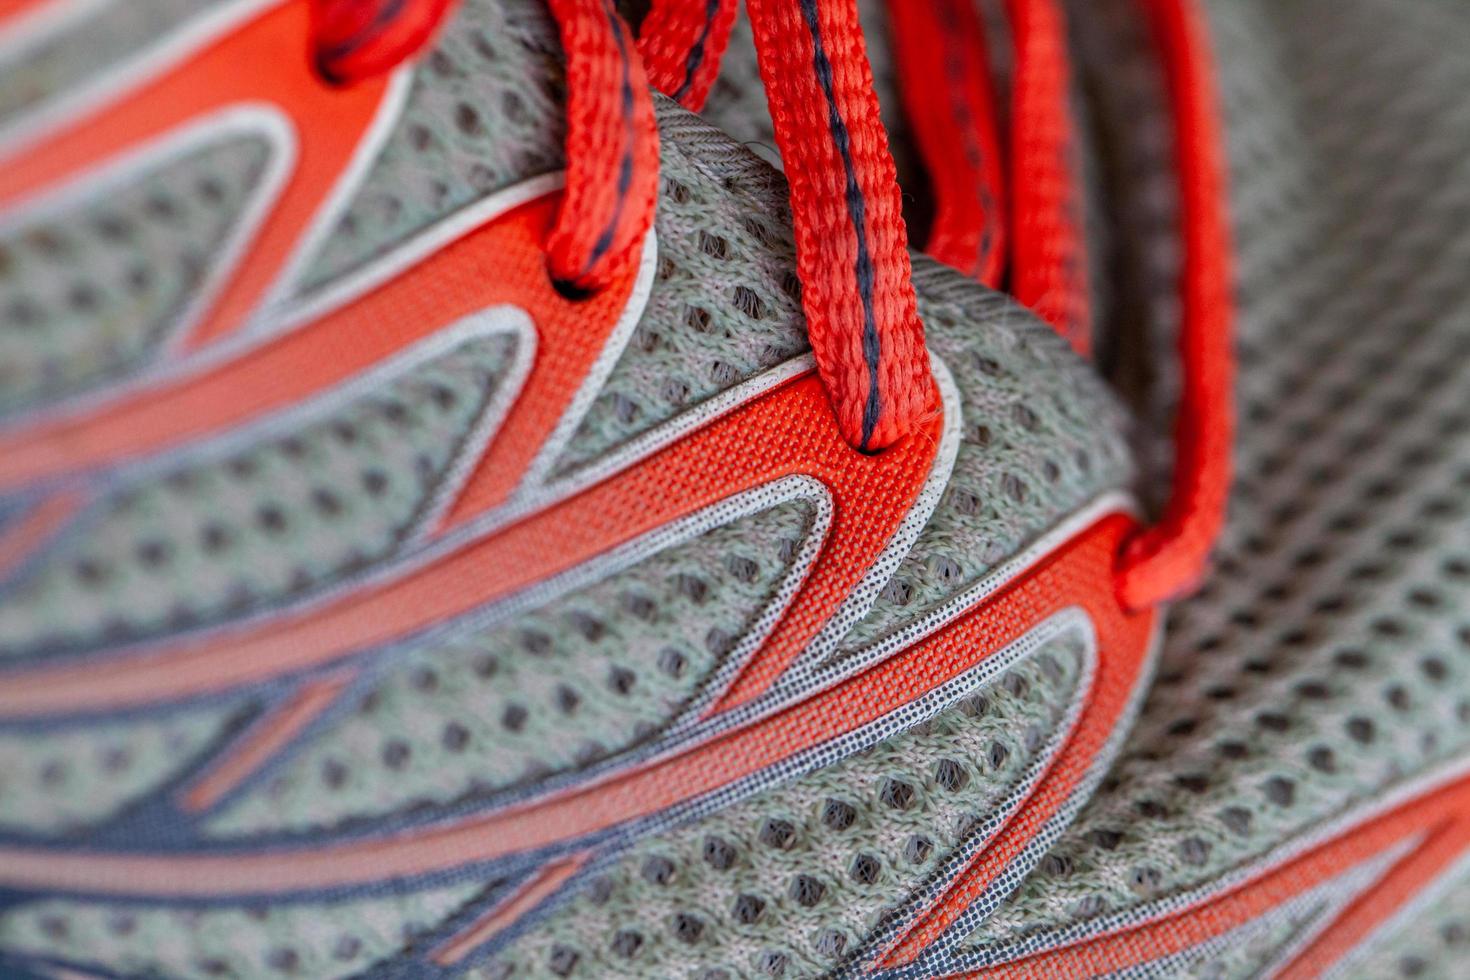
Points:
[[696, 53], [381, 21], [857, 212], [625, 166]]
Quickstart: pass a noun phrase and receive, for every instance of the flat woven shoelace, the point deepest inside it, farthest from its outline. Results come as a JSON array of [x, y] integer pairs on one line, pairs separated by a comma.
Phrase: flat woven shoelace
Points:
[[852, 244]]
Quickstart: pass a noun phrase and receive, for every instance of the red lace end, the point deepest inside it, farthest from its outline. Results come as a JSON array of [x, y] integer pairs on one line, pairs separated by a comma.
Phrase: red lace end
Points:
[[1171, 557], [1049, 271]]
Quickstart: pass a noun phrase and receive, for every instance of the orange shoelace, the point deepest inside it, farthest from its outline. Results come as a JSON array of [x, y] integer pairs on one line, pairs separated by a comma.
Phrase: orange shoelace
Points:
[[852, 245]]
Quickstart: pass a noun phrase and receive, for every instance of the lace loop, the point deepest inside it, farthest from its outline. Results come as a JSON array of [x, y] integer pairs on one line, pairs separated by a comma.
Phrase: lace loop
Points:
[[851, 242], [1049, 270], [611, 148], [357, 39], [944, 80], [1170, 558]]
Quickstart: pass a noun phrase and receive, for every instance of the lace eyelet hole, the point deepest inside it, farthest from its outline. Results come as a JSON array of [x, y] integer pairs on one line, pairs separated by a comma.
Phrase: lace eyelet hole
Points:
[[571, 291]]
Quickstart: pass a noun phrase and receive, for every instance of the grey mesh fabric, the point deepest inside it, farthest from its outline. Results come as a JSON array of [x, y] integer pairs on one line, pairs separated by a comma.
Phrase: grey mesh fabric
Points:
[[584, 676], [1325, 663], [1323, 667], [84, 39], [92, 288], [69, 778], [483, 111], [327, 940]]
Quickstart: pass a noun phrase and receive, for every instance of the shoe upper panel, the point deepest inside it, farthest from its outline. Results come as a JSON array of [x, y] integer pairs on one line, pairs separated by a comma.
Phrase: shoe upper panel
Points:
[[343, 554]]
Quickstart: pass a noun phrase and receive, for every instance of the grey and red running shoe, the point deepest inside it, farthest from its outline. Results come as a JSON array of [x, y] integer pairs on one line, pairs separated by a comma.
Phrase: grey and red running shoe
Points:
[[486, 490]]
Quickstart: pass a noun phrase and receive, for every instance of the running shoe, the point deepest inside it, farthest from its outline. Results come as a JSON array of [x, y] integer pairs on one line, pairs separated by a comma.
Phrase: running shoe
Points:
[[465, 515]]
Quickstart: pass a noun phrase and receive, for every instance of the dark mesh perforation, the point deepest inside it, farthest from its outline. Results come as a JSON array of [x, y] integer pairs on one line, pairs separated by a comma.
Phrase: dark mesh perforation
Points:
[[326, 940], [1429, 942], [55, 782], [92, 291], [484, 112]]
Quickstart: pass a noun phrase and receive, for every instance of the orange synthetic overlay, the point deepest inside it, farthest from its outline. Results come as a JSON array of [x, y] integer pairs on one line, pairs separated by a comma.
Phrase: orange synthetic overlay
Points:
[[266, 737], [543, 883]]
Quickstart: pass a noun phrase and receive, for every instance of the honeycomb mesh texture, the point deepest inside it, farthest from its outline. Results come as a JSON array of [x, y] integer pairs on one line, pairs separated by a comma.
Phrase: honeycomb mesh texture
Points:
[[58, 781], [319, 940], [790, 881], [92, 290], [1328, 660], [725, 304], [484, 111], [983, 338], [32, 75], [224, 535], [571, 683], [1430, 942]]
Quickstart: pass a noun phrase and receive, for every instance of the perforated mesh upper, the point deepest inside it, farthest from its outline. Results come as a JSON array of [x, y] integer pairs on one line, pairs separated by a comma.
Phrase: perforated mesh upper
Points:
[[726, 304], [570, 683], [1328, 660], [93, 289], [116, 30], [319, 940], [245, 526], [1429, 941], [791, 881], [57, 781], [484, 112], [1040, 438]]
